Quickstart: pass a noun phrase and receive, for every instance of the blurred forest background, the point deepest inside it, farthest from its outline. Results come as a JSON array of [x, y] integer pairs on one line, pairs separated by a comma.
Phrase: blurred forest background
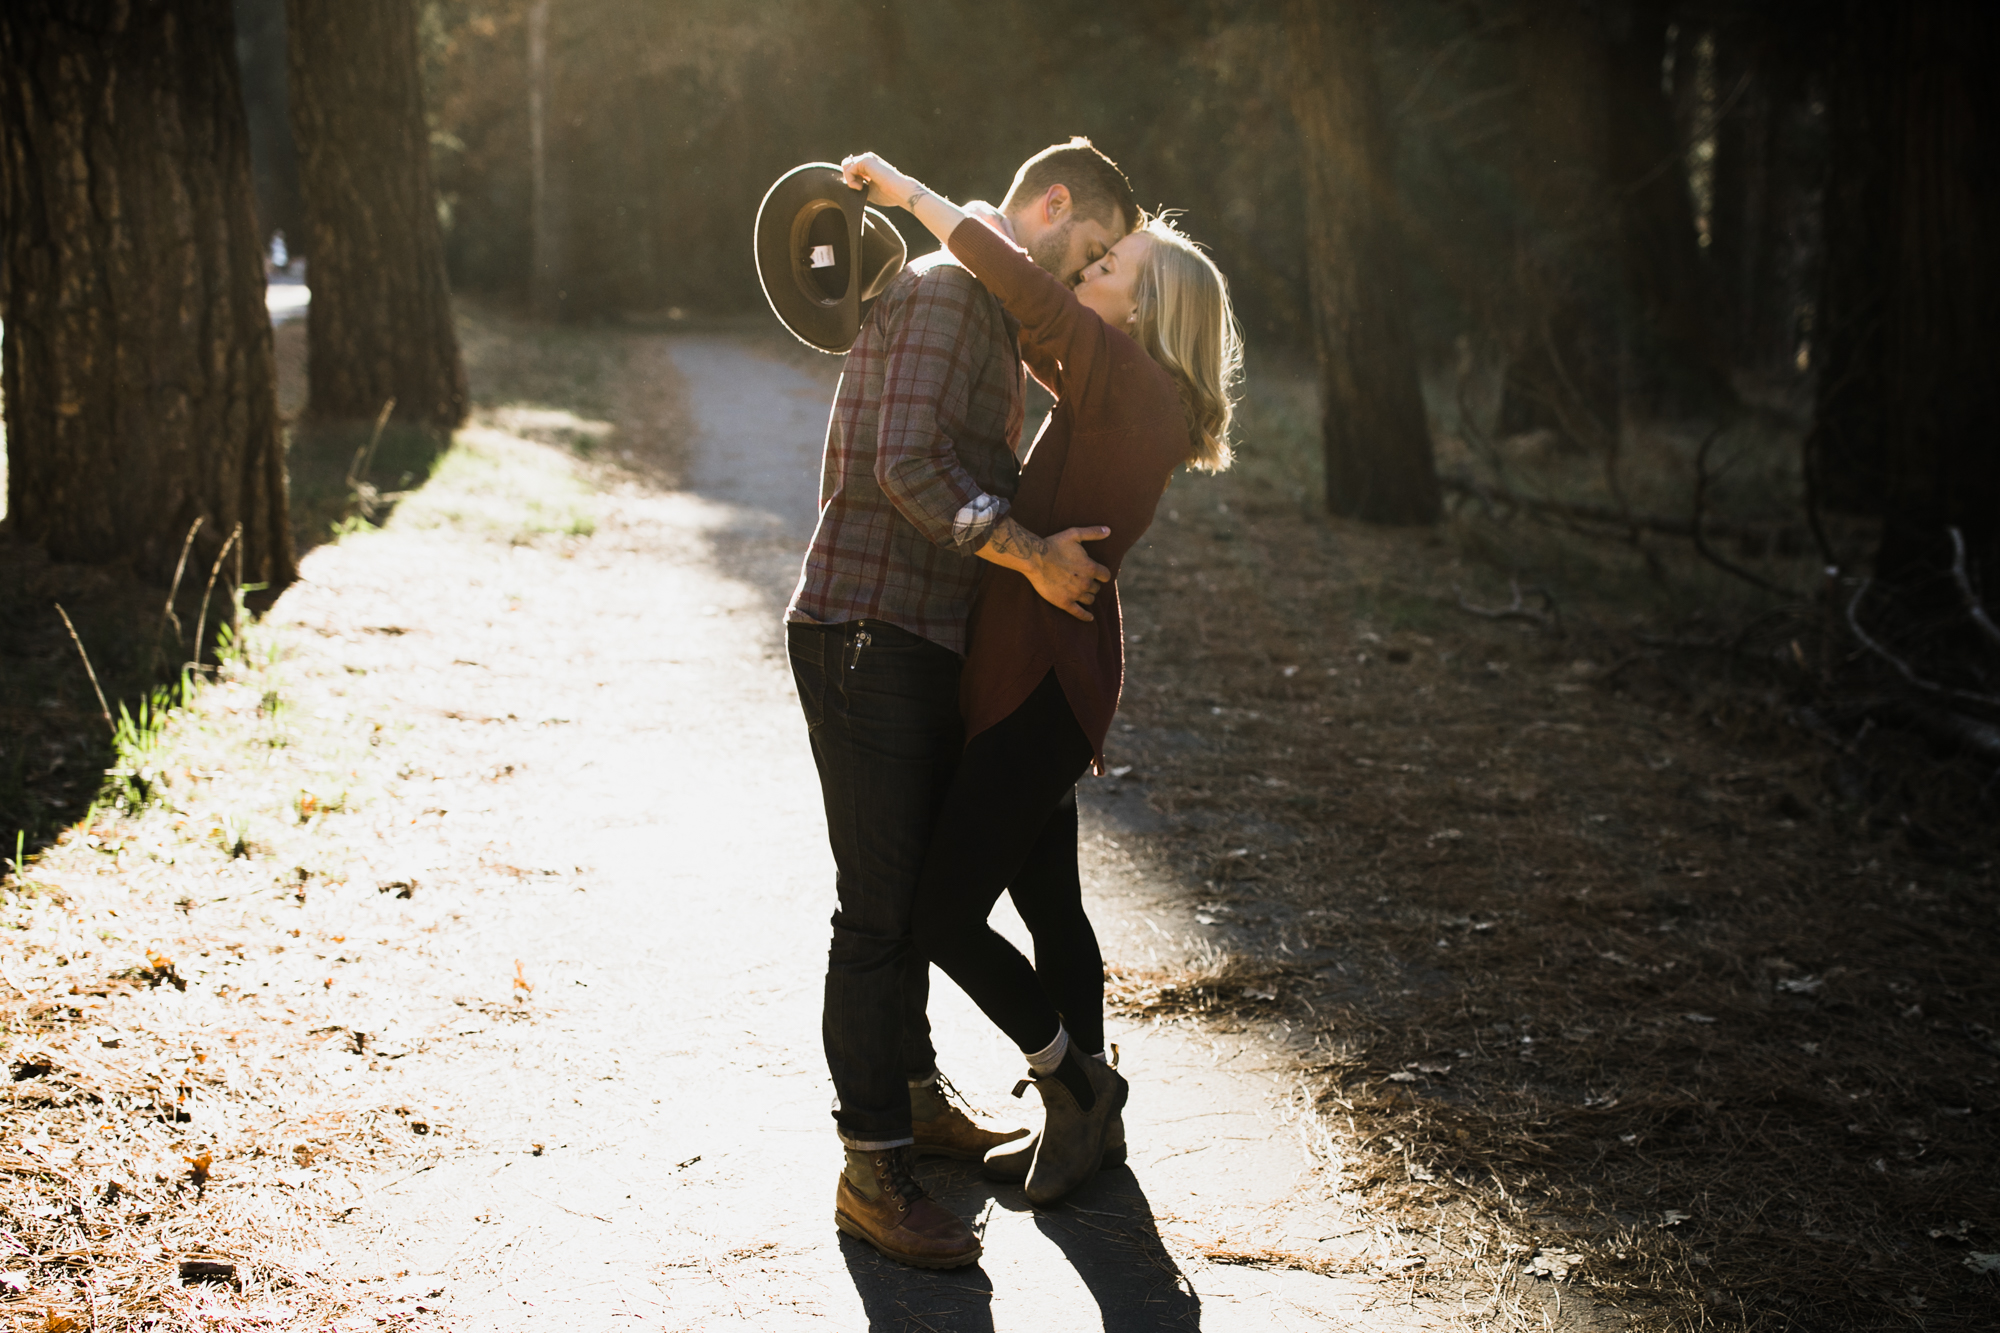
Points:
[[1707, 279]]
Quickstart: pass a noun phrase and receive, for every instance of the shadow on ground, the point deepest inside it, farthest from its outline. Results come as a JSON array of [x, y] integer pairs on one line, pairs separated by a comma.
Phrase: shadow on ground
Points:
[[1106, 1233]]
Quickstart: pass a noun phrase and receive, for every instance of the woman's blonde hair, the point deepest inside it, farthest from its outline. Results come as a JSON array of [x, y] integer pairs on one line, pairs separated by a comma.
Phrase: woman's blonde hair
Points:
[[1187, 325]]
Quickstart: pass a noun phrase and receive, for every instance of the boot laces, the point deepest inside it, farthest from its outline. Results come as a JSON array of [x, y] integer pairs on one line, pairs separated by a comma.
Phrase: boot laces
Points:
[[898, 1177], [950, 1092]]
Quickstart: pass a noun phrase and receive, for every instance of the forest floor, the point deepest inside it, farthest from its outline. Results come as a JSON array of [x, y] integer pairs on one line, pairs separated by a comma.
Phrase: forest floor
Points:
[[450, 961]]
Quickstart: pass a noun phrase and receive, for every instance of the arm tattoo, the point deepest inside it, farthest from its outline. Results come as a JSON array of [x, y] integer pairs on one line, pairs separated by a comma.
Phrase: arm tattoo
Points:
[[1010, 538]]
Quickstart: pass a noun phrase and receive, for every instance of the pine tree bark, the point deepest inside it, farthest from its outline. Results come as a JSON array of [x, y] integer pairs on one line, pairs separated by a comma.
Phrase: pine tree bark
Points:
[[380, 325], [139, 381], [1941, 304], [1850, 440], [1379, 463], [1672, 357], [1562, 351]]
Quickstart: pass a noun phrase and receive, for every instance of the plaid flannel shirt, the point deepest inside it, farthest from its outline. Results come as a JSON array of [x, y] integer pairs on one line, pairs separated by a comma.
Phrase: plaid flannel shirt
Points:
[[920, 457]]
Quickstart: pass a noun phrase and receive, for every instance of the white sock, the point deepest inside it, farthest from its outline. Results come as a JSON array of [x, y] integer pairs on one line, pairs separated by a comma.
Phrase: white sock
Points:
[[1050, 1057]]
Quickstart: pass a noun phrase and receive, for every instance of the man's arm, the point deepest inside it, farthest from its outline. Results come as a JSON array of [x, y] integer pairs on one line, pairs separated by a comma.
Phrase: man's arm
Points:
[[1058, 567]]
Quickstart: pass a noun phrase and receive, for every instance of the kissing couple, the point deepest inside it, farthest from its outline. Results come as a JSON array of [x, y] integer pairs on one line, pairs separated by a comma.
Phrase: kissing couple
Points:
[[956, 643]]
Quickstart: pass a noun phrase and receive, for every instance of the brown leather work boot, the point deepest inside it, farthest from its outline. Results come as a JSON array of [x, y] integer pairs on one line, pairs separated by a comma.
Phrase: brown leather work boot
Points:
[[945, 1125], [879, 1201]]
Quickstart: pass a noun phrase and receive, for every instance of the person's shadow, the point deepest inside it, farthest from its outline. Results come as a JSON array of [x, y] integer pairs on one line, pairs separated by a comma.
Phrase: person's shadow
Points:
[[1105, 1233]]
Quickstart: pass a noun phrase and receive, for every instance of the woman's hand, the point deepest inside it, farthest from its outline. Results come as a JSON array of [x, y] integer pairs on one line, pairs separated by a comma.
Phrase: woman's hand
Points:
[[885, 184]]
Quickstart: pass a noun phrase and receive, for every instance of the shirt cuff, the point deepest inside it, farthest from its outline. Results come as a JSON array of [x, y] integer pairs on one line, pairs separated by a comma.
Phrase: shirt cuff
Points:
[[973, 523]]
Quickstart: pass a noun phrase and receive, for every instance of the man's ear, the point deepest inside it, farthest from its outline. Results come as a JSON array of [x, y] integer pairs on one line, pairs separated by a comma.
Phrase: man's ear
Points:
[[1055, 203]]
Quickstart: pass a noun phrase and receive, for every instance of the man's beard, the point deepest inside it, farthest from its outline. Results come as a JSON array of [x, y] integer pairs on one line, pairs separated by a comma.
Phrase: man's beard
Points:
[[1051, 251]]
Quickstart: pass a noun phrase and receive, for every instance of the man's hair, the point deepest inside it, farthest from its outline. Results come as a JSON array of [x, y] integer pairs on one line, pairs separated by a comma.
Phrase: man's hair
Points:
[[1097, 187]]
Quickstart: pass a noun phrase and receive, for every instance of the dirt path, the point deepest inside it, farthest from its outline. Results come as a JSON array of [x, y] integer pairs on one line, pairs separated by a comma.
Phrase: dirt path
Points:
[[664, 882]]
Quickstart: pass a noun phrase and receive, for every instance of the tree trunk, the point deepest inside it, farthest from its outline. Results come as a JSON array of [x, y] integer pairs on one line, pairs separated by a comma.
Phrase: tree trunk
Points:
[[1379, 464], [1673, 366], [547, 287], [139, 382], [1849, 444], [1562, 354], [1760, 194], [1941, 313], [380, 326]]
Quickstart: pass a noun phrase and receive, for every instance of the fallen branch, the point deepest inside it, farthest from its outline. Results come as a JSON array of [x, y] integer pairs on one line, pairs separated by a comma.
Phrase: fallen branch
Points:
[[1549, 618], [1973, 606], [1902, 668], [1958, 731]]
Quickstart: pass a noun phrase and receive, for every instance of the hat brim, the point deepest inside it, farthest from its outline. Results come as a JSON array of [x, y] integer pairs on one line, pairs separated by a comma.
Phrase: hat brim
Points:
[[821, 254]]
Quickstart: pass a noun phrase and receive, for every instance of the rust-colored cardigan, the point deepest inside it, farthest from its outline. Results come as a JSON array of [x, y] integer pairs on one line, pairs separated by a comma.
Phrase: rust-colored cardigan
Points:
[[1105, 456]]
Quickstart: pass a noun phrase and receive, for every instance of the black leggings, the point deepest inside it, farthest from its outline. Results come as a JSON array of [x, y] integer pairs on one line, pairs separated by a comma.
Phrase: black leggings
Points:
[[1009, 824]]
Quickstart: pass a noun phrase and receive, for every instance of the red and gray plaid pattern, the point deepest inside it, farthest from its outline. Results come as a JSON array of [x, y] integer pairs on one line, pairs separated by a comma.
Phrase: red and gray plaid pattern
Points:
[[919, 459]]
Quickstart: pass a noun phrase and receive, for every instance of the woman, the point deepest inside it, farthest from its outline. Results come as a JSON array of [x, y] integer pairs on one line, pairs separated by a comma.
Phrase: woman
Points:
[[1141, 356]]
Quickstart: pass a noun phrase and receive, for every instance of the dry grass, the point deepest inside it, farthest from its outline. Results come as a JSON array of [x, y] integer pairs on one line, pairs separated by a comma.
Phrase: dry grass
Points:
[[159, 1124], [208, 977], [1612, 972]]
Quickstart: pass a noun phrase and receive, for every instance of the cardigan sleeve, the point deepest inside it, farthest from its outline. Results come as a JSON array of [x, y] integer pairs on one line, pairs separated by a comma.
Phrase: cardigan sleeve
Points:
[[1060, 336]]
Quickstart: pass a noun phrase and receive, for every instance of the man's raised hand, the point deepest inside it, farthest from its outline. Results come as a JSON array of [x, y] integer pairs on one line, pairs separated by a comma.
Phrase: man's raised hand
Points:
[[885, 184]]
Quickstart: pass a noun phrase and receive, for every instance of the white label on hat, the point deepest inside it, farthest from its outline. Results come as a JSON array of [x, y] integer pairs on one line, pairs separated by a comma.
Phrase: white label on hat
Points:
[[822, 256]]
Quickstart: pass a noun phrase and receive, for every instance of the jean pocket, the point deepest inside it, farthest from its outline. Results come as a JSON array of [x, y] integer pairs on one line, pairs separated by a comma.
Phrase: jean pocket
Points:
[[807, 649]]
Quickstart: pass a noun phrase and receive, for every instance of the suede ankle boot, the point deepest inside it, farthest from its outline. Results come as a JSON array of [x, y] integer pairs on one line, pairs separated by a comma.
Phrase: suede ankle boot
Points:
[[1071, 1147]]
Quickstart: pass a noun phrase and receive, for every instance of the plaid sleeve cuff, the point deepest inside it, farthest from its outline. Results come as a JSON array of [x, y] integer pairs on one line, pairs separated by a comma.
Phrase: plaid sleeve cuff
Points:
[[972, 526]]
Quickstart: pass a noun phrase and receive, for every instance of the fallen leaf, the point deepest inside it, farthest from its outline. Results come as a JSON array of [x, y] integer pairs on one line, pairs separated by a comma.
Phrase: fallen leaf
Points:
[[1801, 985], [1402, 1076], [1551, 1263], [198, 1169], [1983, 1263], [521, 982], [1674, 1217], [1698, 1018]]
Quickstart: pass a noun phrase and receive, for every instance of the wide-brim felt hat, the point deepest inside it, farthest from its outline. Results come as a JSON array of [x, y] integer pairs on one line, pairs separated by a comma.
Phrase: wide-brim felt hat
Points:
[[823, 255]]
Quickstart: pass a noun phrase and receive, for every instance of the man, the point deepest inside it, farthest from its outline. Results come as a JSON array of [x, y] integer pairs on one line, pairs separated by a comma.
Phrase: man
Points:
[[919, 472]]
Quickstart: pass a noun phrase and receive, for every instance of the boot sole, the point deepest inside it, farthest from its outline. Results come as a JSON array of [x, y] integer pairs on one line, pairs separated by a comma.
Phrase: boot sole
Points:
[[856, 1230]]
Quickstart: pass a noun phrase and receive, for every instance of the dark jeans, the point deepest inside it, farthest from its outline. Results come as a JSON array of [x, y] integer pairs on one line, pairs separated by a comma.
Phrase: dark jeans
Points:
[[881, 705], [1009, 823]]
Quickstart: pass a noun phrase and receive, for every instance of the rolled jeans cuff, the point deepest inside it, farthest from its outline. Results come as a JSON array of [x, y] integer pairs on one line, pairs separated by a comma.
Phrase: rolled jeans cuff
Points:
[[874, 1145]]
